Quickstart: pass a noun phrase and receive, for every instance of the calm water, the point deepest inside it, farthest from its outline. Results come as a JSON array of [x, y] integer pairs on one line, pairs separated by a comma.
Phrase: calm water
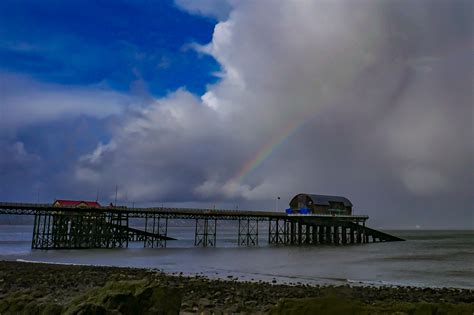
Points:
[[427, 258]]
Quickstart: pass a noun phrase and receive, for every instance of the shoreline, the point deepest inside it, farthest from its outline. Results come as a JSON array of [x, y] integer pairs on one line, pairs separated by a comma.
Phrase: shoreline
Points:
[[31, 287], [267, 278]]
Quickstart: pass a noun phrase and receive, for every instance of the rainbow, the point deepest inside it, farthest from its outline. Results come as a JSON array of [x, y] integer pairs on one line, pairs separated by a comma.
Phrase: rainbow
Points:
[[276, 141]]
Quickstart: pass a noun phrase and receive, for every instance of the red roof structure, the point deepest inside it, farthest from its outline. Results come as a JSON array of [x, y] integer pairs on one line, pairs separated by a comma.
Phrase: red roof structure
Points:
[[76, 203]]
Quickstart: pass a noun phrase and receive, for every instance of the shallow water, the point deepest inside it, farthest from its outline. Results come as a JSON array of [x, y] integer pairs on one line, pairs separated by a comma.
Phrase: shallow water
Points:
[[427, 258]]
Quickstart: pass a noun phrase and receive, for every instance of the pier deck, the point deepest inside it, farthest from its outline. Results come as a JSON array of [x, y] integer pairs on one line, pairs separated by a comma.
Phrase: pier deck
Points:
[[108, 227]]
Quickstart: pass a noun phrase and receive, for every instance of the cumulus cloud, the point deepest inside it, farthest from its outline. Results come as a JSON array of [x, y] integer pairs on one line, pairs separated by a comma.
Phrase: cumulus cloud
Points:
[[366, 99], [162, 150]]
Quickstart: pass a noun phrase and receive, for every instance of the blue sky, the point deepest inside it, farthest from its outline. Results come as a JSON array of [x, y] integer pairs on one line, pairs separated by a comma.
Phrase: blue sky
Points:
[[111, 43]]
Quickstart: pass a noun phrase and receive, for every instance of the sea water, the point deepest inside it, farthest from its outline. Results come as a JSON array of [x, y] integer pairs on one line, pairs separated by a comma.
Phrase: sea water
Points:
[[425, 259]]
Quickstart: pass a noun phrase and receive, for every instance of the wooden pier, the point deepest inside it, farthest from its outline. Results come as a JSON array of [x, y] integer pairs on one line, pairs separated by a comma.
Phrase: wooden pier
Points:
[[109, 227]]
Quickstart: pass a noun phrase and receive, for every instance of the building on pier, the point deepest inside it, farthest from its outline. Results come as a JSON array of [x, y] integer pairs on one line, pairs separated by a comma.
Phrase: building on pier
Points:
[[320, 204], [76, 203]]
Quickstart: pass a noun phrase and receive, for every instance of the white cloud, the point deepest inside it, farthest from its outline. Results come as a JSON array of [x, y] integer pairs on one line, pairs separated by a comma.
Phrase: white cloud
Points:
[[96, 156]]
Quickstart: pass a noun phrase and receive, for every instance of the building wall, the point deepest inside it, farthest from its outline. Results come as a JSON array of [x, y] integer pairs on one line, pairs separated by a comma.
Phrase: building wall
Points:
[[325, 210], [320, 209], [349, 210]]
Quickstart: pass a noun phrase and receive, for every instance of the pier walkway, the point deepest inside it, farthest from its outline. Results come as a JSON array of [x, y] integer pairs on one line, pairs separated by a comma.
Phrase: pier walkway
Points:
[[109, 227]]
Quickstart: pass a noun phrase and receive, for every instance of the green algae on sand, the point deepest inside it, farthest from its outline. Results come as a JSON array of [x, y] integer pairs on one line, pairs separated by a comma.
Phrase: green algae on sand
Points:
[[25, 302], [128, 297], [333, 305], [118, 297]]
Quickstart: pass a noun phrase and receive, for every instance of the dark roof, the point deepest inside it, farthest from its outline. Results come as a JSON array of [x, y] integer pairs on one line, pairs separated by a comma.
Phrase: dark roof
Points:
[[323, 200]]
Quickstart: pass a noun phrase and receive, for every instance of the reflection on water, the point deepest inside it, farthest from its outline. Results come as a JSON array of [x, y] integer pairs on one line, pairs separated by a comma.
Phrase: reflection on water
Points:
[[427, 258]]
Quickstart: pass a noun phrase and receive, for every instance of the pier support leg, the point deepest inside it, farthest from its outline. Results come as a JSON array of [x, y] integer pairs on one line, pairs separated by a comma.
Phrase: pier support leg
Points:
[[42, 236], [119, 224], [309, 235], [59, 231], [277, 232], [287, 232], [205, 232], [293, 233], [314, 231], [34, 240], [328, 239], [366, 236], [359, 235], [321, 234], [300, 233], [337, 235], [79, 230], [344, 235], [158, 226], [272, 231], [283, 233], [248, 232]]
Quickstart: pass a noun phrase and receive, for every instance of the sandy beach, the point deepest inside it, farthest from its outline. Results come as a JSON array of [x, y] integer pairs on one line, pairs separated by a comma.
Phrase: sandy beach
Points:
[[33, 288]]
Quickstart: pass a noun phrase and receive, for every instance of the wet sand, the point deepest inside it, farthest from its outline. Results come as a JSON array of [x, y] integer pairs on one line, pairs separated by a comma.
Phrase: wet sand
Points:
[[33, 288]]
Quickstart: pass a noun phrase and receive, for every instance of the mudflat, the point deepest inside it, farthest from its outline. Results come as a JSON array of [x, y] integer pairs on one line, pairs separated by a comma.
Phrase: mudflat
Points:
[[34, 288]]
